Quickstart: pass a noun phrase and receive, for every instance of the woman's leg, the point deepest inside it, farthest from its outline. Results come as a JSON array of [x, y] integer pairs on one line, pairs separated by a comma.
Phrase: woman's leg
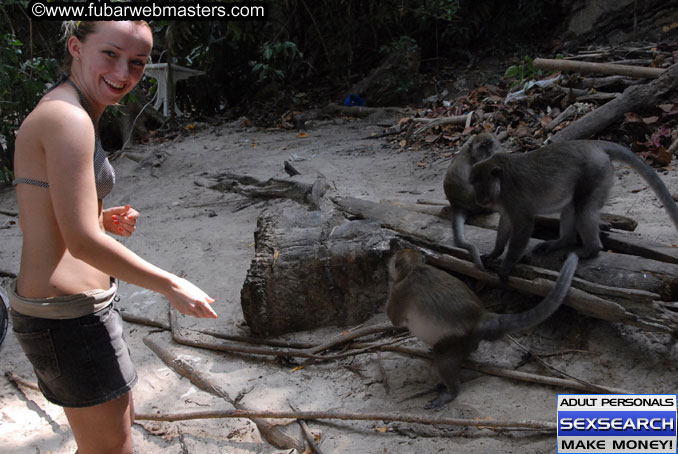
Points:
[[104, 428]]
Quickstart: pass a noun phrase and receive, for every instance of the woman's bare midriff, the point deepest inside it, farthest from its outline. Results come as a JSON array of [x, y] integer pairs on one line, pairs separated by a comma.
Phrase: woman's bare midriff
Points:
[[47, 267]]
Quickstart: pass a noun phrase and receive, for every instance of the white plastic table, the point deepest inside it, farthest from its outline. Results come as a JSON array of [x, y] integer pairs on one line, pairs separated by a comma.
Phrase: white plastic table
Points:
[[158, 71]]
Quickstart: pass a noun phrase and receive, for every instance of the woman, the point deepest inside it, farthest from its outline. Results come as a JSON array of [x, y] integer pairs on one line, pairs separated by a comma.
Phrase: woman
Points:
[[62, 311]]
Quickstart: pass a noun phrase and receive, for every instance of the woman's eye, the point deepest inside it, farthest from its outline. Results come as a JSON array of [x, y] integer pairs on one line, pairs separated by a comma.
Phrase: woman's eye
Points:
[[138, 63], [109, 53]]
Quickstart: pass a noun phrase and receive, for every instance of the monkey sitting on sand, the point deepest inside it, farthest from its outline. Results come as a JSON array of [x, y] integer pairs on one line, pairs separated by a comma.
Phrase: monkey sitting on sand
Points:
[[573, 178], [441, 311], [459, 191]]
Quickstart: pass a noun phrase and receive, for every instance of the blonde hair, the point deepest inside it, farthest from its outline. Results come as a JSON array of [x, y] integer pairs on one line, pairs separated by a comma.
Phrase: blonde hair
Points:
[[81, 29]]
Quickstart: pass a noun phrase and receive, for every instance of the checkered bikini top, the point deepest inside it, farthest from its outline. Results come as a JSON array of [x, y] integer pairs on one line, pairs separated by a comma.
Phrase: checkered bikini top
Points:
[[104, 175]]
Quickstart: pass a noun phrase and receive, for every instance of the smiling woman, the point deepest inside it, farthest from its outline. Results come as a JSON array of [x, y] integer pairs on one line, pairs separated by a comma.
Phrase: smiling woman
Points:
[[62, 302]]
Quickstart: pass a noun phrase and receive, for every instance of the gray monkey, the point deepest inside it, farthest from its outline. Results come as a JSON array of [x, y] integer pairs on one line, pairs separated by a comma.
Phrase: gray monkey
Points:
[[460, 192], [441, 311], [573, 178]]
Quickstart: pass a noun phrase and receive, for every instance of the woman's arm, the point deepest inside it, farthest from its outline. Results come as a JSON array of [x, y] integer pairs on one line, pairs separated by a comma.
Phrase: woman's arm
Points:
[[69, 163]]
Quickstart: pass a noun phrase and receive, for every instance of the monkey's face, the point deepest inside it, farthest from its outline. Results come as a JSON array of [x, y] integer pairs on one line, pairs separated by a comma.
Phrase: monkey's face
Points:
[[486, 181], [483, 146], [402, 262]]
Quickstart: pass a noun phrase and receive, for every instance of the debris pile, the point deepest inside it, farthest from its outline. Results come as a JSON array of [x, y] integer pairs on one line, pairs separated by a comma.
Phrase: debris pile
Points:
[[531, 104]]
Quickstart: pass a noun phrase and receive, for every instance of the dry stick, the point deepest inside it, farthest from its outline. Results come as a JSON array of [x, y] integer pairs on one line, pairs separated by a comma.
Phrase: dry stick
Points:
[[139, 320], [349, 335], [360, 348], [601, 68], [386, 417], [564, 115], [541, 379], [20, 381], [307, 432], [514, 374], [584, 383], [270, 432], [433, 122]]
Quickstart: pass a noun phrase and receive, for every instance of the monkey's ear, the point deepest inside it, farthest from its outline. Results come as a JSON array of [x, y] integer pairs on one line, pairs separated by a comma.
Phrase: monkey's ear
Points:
[[496, 172]]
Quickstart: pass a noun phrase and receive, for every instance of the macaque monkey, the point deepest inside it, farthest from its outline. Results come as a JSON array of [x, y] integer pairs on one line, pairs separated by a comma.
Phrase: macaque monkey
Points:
[[573, 178], [460, 192], [441, 311]]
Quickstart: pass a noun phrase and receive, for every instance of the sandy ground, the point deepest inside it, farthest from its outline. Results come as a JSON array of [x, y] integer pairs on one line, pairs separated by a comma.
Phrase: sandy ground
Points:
[[196, 231]]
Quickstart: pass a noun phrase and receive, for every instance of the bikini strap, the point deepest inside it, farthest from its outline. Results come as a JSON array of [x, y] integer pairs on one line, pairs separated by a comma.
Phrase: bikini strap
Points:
[[83, 100]]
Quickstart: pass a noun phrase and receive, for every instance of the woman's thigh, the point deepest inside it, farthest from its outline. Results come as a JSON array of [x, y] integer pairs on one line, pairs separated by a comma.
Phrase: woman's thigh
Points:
[[104, 428]]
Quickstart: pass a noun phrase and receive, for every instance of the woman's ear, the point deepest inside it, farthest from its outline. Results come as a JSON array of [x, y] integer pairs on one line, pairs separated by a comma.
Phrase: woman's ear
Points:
[[74, 48]]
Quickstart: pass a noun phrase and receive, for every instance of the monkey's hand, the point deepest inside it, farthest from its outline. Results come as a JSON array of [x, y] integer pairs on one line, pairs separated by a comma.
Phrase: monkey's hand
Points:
[[444, 396], [489, 260]]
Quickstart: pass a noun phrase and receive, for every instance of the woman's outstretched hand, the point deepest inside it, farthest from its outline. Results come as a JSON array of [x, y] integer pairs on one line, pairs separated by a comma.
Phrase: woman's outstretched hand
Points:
[[188, 299]]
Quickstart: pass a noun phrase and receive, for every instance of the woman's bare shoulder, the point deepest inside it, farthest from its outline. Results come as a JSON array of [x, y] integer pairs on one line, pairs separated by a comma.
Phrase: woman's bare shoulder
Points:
[[58, 112]]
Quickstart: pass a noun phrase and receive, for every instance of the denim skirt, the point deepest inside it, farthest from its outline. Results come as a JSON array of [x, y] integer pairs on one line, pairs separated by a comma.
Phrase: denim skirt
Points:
[[79, 362]]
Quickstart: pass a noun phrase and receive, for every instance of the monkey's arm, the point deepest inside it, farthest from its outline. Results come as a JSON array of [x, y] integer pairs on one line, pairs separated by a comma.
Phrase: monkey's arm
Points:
[[458, 221], [503, 235], [521, 232]]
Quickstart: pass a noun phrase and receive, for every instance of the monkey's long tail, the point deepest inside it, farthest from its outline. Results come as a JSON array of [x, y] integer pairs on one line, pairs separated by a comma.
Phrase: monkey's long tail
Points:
[[498, 325], [618, 153], [458, 221]]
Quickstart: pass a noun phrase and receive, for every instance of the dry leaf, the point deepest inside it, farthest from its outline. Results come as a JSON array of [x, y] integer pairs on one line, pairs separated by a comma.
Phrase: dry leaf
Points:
[[302, 134], [298, 368], [632, 117], [381, 429], [661, 156], [421, 164], [403, 143]]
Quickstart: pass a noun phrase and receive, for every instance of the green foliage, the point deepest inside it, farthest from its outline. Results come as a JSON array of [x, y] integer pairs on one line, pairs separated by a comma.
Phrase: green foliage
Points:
[[22, 83], [401, 44], [522, 73], [445, 10], [279, 61]]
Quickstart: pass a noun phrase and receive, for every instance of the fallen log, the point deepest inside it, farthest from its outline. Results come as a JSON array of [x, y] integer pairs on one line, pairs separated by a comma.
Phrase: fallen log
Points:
[[599, 82], [550, 222], [609, 69], [634, 97], [313, 269], [273, 188], [614, 287]]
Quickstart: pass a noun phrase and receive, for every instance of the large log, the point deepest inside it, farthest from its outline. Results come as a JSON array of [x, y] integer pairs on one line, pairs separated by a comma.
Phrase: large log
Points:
[[630, 287], [314, 269], [635, 97], [609, 69]]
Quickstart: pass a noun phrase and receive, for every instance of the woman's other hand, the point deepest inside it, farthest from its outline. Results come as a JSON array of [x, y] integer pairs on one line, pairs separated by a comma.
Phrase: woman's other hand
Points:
[[120, 220]]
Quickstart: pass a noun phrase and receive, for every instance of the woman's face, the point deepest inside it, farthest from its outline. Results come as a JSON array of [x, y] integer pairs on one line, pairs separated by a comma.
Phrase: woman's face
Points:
[[112, 59]]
